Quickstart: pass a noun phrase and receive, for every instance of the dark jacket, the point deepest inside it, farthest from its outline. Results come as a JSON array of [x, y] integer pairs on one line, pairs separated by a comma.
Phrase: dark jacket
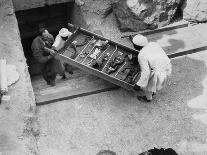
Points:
[[37, 47]]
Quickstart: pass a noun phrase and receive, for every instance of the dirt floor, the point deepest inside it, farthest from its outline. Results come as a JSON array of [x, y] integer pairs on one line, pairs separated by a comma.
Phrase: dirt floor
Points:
[[116, 120]]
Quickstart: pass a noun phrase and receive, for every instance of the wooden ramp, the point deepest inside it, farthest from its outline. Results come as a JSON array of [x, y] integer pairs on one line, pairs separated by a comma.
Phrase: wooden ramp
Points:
[[176, 42]]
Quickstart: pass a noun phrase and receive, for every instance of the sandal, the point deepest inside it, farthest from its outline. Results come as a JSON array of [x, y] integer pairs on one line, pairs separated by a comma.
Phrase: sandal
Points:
[[143, 99]]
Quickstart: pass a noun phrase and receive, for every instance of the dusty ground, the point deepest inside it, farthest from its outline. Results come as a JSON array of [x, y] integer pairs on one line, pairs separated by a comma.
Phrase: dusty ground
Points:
[[17, 116], [116, 120]]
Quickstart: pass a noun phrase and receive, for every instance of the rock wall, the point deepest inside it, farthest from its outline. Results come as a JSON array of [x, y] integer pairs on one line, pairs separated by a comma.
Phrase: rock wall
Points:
[[195, 10], [97, 15], [136, 15], [17, 116]]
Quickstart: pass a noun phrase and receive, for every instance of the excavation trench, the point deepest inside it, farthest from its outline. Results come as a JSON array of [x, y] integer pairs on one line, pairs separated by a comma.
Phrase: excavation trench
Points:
[[55, 17], [80, 84]]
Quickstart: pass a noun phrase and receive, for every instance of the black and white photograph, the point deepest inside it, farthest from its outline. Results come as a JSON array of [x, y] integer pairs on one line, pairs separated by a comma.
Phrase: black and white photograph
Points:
[[103, 77]]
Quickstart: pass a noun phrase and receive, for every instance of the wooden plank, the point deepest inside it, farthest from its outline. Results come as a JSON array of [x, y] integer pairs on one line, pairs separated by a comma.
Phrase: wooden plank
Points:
[[191, 51], [52, 95], [164, 29], [149, 32]]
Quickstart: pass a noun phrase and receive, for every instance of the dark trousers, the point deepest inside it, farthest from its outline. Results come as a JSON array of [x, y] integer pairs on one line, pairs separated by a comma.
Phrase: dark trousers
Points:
[[51, 68], [47, 72]]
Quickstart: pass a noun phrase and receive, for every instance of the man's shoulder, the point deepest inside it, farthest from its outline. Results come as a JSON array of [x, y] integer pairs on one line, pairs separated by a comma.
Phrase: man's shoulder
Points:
[[36, 42], [36, 39], [50, 36]]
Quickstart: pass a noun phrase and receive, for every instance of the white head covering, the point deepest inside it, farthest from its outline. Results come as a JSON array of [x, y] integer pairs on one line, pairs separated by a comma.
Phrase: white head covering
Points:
[[64, 32], [140, 40]]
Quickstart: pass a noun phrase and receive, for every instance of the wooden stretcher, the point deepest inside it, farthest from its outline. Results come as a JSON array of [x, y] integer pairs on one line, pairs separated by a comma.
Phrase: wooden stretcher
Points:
[[99, 61], [112, 61]]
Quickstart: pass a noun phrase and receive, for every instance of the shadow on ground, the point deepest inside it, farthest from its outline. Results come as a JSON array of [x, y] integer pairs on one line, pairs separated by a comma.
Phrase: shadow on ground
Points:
[[170, 45]]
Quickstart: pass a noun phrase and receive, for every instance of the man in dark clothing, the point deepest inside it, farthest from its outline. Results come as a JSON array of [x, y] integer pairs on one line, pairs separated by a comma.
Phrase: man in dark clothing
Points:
[[50, 66]]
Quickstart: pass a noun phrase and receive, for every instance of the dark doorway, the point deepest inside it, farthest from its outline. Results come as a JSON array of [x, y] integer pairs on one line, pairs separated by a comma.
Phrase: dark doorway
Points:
[[53, 17]]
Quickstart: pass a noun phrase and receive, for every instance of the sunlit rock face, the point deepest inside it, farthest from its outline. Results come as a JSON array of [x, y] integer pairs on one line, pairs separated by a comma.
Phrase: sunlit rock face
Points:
[[195, 10], [136, 15]]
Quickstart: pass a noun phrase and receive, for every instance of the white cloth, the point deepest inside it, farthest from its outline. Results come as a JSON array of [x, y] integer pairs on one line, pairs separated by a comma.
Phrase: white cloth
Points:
[[140, 40], [155, 67], [64, 32], [58, 43]]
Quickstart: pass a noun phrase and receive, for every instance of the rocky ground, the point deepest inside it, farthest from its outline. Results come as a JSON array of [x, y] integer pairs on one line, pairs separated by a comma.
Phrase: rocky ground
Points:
[[17, 117], [116, 120]]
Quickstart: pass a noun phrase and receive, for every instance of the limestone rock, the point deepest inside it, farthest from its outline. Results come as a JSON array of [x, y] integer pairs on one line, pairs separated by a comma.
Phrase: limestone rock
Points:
[[100, 7], [79, 2], [135, 15], [195, 10]]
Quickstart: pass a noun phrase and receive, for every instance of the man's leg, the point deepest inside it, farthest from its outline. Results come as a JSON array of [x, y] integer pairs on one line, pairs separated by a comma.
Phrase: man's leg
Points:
[[57, 67], [144, 95], [51, 73], [67, 68], [43, 69], [148, 95], [52, 79]]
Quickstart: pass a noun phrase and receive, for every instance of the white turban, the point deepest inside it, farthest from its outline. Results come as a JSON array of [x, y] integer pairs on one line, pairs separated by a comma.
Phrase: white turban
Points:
[[64, 32], [140, 40]]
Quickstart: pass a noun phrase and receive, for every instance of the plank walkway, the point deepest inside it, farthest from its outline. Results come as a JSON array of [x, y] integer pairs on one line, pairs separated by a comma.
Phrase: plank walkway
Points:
[[184, 40]]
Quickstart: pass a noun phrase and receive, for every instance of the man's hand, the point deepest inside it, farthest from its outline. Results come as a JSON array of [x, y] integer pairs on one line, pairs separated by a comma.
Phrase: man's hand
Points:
[[74, 42], [53, 52]]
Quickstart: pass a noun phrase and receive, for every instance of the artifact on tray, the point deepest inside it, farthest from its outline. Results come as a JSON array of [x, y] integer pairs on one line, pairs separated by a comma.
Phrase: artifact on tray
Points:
[[101, 43], [84, 54], [98, 64], [95, 53], [132, 74], [131, 70], [115, 64], [75, 44]]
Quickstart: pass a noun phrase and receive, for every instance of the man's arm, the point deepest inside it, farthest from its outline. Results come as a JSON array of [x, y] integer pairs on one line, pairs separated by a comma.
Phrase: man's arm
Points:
[[37, 53], [145, 72], [40, 58]]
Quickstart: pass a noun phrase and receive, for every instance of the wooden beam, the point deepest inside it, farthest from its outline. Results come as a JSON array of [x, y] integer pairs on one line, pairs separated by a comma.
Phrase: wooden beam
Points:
[[190, 51], [149, 32], [90, 88], [3, 76]]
